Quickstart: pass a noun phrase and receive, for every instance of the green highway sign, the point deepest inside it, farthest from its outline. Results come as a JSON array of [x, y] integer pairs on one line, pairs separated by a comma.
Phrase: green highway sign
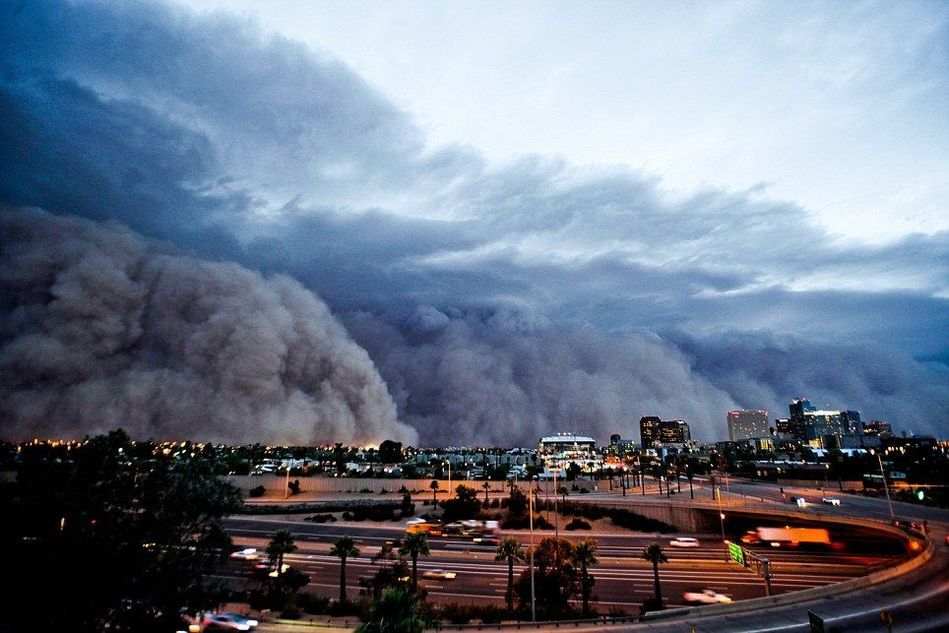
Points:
[[736, 553]]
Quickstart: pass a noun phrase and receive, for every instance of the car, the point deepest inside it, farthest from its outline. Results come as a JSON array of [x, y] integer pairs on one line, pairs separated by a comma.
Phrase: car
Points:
[[832, 501], [486, 540], [228, 622], [801, 502], [684, 541], [249, 553], [440, 574], [705, 596]]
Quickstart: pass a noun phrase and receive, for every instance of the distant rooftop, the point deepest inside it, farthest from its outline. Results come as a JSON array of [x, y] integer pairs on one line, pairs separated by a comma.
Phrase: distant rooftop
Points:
[[566, 438]]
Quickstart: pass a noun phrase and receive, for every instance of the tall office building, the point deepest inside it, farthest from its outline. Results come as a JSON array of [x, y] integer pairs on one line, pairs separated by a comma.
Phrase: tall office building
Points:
[[798, 409], [851, 423], [654, 431], [675, 432], [879, 428], [649, 430], [745, 424]]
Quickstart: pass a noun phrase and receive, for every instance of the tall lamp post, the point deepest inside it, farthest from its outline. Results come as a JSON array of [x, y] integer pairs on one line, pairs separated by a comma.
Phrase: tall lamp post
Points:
[[448, 461], [885, 487], [721, 518], [556, 509], [530, 513]]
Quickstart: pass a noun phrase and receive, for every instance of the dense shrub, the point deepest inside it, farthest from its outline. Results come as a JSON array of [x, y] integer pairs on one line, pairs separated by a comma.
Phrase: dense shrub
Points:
[[577, 524], [321, 518], [523, 523], [620, 517], [314, 605], [257, 492], [337, 608]]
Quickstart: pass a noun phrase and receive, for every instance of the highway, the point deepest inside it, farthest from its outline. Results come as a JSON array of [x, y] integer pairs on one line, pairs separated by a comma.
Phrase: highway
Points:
[[916, 601], [623, 580]]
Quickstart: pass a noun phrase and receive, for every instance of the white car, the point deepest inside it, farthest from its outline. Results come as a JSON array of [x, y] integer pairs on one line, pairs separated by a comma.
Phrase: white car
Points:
[[684, 541], [249, 553], [833, 501], [706, 596], [441, 574], [228, 622]]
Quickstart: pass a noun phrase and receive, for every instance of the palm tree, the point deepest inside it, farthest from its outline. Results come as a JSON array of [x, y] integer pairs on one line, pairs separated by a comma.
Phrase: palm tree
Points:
[[434, 487], [487, 488], [281, 543], [584, 557], [510, 549], [344, 547], [396, 611], [415, 545], [653, 553], [562, 491]]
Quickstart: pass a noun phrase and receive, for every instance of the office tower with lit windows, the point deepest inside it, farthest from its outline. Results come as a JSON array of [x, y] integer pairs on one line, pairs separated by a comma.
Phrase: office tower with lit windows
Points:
[[745, 424]]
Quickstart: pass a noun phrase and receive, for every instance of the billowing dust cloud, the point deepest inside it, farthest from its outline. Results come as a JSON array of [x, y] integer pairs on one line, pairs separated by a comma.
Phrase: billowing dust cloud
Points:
[[100, 329]]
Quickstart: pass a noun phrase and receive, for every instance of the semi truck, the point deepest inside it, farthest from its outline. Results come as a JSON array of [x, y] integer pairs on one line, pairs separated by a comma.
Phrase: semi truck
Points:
[[787, 536]]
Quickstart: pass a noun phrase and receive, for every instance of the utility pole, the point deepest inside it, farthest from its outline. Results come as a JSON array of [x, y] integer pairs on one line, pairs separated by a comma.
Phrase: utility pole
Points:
[[530, 512], [885, 487], [556, 509]]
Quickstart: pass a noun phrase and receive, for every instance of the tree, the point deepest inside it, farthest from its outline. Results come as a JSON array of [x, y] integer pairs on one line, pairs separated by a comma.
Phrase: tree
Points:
[[121, 534], [413, 546], [556, 579], [464, 505], [344, 547], [487, 488], [584, 557], [517, 505], [434, 487], [390, 452], [653, 553], [397, 610], [510, 550], [281, 543], [563, 491], [407, 507]]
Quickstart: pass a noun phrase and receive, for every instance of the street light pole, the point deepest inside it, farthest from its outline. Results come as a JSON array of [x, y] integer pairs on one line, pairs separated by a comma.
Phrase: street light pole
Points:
[[530, 512], [885, 487], [721, 519], [448, 461], [556, 509]]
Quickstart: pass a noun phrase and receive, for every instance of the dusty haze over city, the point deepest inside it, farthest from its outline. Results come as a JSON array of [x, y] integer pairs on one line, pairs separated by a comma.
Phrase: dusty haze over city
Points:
[[469, 223]]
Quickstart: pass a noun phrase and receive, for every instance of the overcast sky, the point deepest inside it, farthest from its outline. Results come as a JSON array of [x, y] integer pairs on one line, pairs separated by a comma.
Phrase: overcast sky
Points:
[[838, 106], [533, 217]]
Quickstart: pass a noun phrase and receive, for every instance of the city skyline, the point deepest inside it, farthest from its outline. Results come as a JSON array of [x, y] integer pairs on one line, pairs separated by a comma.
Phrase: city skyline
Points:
[[496, 222]]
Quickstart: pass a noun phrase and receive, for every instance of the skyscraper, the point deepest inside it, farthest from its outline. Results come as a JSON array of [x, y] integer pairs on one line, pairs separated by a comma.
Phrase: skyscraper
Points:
[[745, 424], [654, 431], [649, 430]]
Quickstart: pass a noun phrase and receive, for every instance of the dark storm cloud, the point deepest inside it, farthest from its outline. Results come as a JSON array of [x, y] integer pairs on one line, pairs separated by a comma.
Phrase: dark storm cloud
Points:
[[200, 130], [503, 378], [761, 369], [100, 330]]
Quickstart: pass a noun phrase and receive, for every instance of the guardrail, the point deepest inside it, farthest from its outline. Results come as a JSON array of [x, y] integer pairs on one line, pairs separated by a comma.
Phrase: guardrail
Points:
[[753, 604]]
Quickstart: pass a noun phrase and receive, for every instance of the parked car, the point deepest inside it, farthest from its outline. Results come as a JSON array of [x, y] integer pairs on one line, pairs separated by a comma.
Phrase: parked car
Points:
[[684, 541], [440, 574], [832, 501], [705, 596], [228, 622]]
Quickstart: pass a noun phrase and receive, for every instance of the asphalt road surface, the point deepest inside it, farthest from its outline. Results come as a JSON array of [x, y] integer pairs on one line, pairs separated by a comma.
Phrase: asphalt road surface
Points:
[[623, 580]]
